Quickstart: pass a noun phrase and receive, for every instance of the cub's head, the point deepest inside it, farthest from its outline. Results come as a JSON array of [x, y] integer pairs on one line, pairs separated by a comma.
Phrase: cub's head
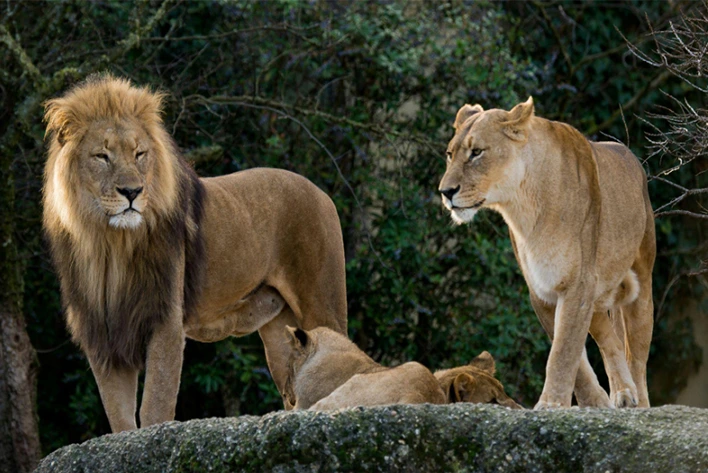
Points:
[[475, 383], [484, 166], [110, 163]]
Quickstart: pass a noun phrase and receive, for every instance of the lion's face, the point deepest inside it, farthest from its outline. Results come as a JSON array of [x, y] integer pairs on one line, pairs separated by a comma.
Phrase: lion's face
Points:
[[115, 166], [484, 166]]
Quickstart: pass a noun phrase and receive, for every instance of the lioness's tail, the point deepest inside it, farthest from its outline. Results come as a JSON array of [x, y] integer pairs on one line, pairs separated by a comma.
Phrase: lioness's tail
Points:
[[628, 290]]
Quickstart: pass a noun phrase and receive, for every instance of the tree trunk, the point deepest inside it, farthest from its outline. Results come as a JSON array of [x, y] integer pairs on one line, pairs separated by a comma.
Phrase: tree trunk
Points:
[[19, 435]]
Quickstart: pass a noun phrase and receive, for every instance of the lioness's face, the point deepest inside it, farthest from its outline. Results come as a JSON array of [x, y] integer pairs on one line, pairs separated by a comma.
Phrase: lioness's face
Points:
[[483, 165], [116, 166]]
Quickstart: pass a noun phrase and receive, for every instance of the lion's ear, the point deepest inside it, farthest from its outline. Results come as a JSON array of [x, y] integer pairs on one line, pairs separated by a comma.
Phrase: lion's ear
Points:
[[59, 119], [298, 337], [465, 112], [515, 127], [462, 388], [484, 361]]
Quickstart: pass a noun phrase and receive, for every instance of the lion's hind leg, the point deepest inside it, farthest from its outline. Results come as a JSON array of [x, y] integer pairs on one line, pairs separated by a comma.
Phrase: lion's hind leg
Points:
[[277, 348]]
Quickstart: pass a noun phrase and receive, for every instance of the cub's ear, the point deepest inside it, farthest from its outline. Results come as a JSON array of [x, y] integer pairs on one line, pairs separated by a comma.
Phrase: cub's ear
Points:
[[465, 112], [462, 388], [484, 361], [298, 337], [516, 125]]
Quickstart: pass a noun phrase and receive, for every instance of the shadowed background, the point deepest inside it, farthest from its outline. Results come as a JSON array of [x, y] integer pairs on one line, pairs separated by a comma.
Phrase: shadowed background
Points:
[[359, 97]]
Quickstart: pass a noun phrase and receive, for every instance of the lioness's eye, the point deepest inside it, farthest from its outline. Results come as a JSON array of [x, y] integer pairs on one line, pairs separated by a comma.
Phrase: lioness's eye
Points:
[[476, 152], [102, 157], [140, 154], [448, 155]]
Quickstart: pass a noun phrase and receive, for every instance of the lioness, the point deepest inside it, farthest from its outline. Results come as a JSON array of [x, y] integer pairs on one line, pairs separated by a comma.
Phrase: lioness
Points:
[[147, 252], [474, 383], [582, 229], [327, 371]]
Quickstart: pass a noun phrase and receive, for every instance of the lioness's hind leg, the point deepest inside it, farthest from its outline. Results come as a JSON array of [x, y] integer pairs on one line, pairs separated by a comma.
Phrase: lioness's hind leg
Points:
[[639, 323], [623, 391], [638, 316]]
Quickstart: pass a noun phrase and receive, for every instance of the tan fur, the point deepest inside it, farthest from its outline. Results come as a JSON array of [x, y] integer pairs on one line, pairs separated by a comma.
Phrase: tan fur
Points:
[[475, 383], [582, 229], [205, 258], [327, 371]]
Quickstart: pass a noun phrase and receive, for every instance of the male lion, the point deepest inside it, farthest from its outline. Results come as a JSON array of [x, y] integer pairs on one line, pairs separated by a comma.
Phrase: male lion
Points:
[[582, 229], [327, 371], [147, 252], [474, 383]]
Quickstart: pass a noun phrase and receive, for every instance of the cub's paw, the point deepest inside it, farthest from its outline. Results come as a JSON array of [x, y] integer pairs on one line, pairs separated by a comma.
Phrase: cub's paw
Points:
[[624, 398], [544, 405]]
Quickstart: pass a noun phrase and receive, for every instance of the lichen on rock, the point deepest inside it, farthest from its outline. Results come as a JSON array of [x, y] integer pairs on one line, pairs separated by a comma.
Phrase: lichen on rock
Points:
[[426, 438]]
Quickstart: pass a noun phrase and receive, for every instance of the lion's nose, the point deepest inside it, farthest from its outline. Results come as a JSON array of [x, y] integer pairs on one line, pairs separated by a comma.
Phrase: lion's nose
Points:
[[130, 193], [450, 192]]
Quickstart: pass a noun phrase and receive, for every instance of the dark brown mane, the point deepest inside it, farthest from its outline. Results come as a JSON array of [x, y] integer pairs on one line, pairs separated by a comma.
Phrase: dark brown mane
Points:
[[116, 336], [112, 315]]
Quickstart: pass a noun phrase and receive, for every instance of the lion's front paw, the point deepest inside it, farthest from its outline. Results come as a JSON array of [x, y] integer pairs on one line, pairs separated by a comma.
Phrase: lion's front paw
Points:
[[544, 405], [624, 398]]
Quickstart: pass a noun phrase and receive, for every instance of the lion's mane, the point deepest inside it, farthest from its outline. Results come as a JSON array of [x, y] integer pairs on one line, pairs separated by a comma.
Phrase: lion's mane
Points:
[[117, 285]]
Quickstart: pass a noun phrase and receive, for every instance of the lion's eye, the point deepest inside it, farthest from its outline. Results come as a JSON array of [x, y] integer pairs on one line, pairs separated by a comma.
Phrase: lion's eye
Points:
[[140, 154], [448, 155], [103, 157]]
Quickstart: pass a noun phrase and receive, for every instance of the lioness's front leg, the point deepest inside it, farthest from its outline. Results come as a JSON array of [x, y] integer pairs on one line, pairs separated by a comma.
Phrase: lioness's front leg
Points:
[[573, 317], [588, 391], [162, 372], [118, 389]]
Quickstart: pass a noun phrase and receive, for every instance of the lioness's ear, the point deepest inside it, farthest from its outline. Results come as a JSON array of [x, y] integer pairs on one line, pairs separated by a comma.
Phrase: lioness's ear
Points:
[[462, 388], [298, 337], [465, 112], [484, 361], [515, 127]]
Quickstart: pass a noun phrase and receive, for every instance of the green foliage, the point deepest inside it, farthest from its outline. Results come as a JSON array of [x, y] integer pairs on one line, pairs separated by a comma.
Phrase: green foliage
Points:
[[359, 97]]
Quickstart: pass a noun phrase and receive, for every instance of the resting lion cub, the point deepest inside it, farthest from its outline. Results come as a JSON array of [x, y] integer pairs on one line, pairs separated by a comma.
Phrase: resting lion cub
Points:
[[582, 229], [327, 371], [475, 383]]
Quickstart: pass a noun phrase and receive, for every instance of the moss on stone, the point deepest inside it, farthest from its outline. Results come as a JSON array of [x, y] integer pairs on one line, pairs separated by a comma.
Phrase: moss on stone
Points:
[[460, 438]]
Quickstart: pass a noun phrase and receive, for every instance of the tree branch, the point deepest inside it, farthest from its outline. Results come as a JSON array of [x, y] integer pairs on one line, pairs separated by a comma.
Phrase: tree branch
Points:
[[22, 57]]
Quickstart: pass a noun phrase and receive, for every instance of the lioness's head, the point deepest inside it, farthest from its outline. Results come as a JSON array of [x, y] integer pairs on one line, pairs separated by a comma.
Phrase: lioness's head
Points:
[[483, 159], [108, 160], [475, 383]]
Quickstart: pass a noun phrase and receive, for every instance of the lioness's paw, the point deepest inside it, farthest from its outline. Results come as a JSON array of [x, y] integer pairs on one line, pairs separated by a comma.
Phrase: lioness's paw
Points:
[[543, 405], [596, 398], [624, 398]]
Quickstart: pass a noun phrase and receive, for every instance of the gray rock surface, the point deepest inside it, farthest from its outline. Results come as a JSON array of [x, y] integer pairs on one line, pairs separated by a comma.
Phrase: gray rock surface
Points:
[[452, 438]]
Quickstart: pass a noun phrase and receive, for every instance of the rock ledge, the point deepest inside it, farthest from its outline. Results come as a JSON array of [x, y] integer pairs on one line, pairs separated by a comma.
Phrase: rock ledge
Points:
[[452, 438]]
